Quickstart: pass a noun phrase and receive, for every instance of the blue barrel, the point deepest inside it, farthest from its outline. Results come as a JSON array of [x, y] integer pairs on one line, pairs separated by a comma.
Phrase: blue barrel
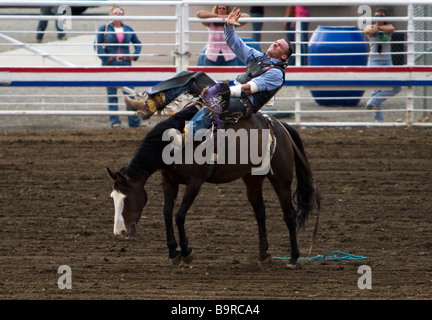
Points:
[[355, 43]]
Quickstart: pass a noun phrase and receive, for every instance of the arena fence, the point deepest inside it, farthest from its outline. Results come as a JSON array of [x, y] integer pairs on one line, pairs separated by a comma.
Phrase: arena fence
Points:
[[174, 42]]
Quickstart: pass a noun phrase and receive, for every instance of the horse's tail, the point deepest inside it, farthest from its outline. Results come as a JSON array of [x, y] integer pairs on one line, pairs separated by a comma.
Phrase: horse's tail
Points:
[[306, 194]]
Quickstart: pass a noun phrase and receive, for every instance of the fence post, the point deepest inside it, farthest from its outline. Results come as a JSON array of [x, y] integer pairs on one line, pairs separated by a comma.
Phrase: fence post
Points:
[[178, 38], [182, 37], [298, 60], [297, 105], [410, 62], [298, 44]]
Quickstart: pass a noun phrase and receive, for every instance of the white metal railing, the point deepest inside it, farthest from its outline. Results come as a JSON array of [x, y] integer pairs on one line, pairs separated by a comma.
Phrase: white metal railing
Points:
[[183, 22], [180, 46]]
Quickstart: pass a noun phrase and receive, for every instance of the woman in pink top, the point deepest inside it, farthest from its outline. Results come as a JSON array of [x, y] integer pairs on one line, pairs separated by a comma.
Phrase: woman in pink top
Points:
[[217, 52], [299, 12]]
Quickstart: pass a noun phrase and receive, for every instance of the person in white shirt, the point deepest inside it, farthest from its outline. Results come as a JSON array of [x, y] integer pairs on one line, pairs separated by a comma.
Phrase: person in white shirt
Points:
[[379, 35]]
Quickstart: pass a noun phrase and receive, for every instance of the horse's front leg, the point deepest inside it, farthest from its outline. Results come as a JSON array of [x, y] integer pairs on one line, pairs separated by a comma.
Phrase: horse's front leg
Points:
[[170, 190], [190, 194], [255, 197]]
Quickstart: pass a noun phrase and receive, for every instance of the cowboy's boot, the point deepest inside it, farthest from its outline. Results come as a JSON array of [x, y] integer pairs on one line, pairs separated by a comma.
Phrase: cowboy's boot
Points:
[[145, 109]]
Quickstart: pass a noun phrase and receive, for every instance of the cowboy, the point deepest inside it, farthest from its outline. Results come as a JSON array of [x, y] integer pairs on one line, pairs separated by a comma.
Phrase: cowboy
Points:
[[264, 76]]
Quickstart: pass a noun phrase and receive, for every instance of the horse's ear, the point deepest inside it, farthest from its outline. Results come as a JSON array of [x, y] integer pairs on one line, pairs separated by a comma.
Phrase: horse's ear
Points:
[[112, 174], [121, 177]]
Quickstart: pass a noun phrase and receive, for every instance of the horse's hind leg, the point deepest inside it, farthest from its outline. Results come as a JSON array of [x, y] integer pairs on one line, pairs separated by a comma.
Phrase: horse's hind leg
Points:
[[255, 197], [189, 196], [283, 191]]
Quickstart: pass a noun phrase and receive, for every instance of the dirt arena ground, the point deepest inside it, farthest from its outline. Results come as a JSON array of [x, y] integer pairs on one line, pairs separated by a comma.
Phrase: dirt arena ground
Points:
[[55, 210]]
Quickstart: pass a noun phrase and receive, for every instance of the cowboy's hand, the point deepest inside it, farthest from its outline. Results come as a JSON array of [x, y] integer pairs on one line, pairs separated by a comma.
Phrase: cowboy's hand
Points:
[[246, 88], [233, 17]]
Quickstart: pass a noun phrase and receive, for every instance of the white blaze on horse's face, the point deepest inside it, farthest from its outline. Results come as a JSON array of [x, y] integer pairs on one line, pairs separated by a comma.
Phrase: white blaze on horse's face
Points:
[[119, 223]]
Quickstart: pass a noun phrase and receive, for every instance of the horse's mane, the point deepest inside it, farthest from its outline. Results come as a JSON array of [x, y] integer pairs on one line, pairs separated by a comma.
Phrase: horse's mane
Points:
[[148, 157]]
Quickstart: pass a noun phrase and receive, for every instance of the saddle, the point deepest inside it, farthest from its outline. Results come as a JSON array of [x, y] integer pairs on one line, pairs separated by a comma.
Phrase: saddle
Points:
[[232, 111], [269, 148]]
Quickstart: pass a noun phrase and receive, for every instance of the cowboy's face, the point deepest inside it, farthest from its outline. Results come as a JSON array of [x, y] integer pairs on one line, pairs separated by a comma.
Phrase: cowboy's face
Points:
[[278, 50]]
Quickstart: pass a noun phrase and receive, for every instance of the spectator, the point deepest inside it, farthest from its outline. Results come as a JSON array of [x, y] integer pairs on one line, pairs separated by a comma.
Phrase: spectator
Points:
[[217, 52], [299, 12], [42, 25], [379, 35], [112, 44], [256, 12]]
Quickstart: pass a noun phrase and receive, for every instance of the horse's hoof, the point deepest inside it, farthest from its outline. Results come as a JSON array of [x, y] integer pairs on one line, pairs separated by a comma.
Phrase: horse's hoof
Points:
[[189, 258], [175, 262], [266, 261]]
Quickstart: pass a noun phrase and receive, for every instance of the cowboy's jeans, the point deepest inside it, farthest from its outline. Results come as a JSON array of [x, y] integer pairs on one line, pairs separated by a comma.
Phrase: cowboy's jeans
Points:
[[201, 120]]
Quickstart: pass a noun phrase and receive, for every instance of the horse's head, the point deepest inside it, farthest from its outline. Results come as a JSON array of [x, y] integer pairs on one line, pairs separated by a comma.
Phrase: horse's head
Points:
[[129, 199]]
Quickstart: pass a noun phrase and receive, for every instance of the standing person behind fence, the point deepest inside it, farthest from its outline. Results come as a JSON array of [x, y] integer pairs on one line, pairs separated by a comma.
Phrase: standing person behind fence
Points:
[[379, 35], [217, 52], [42, 25], [298, 12], [112, 43], [256, 12]]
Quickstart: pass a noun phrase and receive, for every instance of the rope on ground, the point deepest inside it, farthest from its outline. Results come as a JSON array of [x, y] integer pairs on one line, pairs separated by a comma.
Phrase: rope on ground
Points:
[[331, 256]]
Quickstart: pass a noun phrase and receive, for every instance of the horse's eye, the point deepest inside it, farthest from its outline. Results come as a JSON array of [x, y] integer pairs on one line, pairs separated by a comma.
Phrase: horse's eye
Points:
[[126, 199]]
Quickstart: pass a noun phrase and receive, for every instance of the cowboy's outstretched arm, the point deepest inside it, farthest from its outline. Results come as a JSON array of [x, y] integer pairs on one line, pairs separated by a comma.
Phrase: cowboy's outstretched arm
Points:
[[234, 42]]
